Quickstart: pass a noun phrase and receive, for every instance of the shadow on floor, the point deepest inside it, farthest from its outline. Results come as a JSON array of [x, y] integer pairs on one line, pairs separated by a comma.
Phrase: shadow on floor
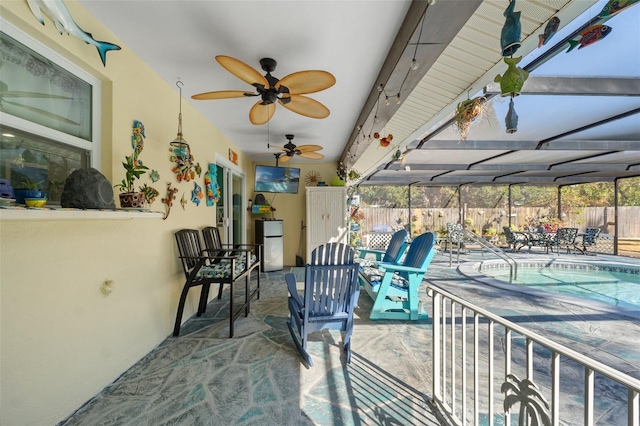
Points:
[[257, 378]]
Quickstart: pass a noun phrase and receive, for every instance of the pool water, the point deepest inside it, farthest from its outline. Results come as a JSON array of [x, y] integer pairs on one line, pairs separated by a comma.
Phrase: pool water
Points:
[[613, 286]]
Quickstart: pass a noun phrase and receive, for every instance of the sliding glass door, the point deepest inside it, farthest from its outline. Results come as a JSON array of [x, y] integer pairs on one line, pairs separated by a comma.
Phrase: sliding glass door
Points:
[[231, 217]]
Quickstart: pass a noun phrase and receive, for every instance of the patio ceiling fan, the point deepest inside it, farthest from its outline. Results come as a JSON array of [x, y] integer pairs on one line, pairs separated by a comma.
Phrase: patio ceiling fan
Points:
[[287, 91], [290, 149]]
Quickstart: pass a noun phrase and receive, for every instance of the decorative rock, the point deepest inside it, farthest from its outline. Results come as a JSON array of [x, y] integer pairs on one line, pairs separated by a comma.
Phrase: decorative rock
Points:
[[87, 189]]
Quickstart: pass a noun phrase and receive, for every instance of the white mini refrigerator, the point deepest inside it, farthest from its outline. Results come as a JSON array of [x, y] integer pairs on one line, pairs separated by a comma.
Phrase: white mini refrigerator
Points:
[[270, 233]]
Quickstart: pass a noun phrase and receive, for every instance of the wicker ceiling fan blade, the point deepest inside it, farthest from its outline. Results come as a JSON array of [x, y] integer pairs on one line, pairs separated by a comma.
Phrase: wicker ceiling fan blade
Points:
[[306, 106], [285, 158], [308, 148], [260, 114], [303, 82], [241, 70], [222, 94], [311, 155]]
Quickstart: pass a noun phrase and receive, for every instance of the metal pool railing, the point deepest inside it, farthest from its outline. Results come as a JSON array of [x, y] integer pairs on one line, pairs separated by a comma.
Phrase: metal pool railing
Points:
[[465, 234], [533, 378]]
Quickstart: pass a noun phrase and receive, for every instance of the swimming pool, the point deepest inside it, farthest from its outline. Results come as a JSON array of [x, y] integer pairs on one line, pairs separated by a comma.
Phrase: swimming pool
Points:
[[615, 284]]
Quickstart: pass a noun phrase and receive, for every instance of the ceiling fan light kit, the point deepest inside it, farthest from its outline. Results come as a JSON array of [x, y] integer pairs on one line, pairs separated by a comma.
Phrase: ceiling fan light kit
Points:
[[287, 91]]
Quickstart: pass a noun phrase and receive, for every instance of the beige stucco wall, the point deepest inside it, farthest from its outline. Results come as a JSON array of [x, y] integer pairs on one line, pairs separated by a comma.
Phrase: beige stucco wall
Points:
[[291, 208], [61, 339]]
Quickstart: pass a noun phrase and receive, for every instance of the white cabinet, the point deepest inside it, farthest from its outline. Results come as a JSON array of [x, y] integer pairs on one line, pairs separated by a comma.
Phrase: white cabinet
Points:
[[326, 216]]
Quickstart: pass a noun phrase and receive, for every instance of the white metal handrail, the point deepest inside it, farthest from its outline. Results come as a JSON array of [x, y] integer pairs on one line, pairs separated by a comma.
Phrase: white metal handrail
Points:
[[458, 361]]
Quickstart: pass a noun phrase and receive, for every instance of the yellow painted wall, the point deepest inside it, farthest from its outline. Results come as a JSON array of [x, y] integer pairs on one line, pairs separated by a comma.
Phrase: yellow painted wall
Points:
[[291, 208], [61, 339]]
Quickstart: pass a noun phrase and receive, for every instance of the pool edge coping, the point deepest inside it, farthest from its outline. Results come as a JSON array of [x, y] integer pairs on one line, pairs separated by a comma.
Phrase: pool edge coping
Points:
[[470, 270]]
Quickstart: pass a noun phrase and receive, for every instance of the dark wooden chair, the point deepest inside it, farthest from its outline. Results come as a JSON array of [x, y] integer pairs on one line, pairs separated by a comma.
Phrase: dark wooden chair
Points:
[[212, 241], [203, 269], [214, 247], [330, 295]]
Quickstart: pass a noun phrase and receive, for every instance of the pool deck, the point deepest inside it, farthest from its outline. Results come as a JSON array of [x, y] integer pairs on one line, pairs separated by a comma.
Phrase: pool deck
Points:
[[256, 378], [600, 331]]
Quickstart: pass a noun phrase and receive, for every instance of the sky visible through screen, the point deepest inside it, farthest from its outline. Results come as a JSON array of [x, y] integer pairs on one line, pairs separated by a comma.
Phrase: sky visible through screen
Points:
[[545, 116], [617, 55]]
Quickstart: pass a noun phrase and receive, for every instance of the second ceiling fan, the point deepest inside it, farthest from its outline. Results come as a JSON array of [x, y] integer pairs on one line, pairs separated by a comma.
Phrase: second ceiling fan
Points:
[[290, 149], [287, 91]]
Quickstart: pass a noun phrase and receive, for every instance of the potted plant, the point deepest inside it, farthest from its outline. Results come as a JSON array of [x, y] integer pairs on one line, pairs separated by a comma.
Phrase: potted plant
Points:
[[491, 234], [28, 189], [129, 198]]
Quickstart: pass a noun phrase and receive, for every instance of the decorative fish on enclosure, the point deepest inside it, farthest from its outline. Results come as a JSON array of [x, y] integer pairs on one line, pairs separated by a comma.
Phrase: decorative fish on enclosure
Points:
[[613, 7], [513, 79], [511, 31], [59, 14], [511, 120], [589, 36], [549, 31]]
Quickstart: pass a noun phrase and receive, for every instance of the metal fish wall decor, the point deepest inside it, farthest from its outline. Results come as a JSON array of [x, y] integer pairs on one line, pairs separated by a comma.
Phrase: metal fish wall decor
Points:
[[613, 7], [549, 31], [589, 36], [59, 14]]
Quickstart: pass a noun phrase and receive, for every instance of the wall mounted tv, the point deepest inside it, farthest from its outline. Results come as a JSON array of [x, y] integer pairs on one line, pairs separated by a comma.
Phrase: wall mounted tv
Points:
[[283, 180]]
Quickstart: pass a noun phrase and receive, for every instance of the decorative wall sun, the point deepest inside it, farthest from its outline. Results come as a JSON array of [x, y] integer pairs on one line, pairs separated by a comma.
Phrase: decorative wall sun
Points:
[[312, 178]]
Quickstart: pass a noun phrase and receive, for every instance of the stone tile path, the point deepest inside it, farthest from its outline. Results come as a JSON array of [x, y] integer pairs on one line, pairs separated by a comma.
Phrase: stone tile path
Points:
[[256, 378]]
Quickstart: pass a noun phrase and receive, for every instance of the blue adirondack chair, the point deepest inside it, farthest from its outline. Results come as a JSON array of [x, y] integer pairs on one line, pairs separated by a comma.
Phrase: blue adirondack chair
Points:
[[397, 296], [330, 295], [394, 252]]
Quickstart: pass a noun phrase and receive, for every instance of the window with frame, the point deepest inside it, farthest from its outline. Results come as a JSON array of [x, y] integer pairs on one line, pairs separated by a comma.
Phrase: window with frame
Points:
[[49, 115]]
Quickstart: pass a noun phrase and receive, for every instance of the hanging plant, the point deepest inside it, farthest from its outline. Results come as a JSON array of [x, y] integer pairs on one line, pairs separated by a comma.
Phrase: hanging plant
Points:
[[467, 112], [353, 174]]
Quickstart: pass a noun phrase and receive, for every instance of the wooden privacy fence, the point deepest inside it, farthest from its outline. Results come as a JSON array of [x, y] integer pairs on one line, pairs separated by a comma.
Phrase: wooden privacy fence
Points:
[[435, 219]]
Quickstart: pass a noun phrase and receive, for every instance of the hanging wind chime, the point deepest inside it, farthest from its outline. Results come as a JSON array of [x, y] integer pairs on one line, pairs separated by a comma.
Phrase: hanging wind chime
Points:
[[185, 168], [513, 79]]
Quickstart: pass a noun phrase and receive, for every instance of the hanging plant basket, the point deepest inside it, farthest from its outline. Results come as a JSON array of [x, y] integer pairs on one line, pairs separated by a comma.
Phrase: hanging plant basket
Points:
[[467, 112]]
